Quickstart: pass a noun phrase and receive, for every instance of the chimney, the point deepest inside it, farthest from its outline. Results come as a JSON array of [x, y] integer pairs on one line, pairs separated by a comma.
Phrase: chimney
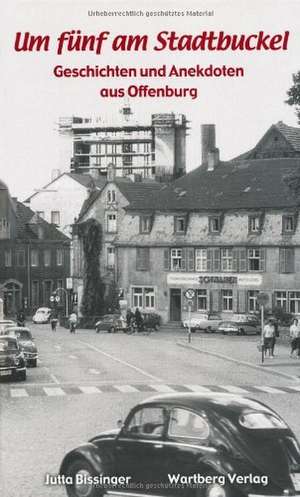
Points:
[[213, 158], [208, 140]]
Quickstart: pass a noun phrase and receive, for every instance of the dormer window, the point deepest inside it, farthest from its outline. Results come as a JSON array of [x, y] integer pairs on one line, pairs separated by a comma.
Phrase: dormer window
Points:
[[254, 224], [180, 224], [214, 224], [288, 224], [111, 196], [145, 224]]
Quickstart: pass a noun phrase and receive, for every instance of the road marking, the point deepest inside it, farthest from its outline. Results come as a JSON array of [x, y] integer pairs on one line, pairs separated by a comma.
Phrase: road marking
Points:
[[94, 371], [162, 388], [269, 389], [89, 389], [233, 389], [126, 388], [141, 371], [297, 388], [18, 392], [197, 388], [54, 391]]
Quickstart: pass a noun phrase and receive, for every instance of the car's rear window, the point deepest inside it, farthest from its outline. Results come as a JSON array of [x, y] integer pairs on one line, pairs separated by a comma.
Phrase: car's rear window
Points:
[[261, 421]]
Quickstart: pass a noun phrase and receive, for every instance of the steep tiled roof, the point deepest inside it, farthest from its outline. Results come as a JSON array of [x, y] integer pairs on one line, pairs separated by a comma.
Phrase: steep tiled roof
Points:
[[27, 223], [132, 191], [291, 133], [232, 185]]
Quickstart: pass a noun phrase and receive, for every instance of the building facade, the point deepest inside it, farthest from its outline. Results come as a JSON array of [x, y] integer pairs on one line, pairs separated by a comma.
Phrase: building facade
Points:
[[154, 149], [229, 230], [34, 257]]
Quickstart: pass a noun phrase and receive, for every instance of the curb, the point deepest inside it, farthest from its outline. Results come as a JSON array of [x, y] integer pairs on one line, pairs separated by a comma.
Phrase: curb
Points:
[[236, 361]]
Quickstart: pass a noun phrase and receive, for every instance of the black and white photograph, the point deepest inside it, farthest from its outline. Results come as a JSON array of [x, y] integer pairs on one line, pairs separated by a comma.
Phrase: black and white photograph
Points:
[[150, 248]]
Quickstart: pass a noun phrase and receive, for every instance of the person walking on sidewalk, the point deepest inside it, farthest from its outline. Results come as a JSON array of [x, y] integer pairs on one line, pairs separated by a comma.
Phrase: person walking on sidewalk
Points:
[[295, 337], [269, 335], [73, 322]]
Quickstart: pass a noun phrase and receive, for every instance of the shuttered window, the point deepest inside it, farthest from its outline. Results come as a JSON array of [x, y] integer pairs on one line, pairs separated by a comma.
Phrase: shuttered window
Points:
[[239, 259], [142, 259], [213, 259], [286, 260]]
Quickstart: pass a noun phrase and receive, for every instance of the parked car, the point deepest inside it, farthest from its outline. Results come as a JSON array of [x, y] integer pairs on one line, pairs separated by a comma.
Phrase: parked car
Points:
[[239, 328], [4, 323], [245, 318], [42, 315], [111, 323], [206, 322], [26, 342], [151, 320], [12, 361], [175, 435]]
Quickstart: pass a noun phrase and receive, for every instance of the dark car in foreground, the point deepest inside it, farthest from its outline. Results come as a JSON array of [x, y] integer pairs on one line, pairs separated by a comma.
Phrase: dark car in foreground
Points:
[[238, 328], [26, 343], [12, 361], [206, 445]]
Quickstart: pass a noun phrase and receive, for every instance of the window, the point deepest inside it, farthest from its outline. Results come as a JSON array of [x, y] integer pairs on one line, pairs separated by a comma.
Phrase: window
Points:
[[286, 260], [201, 301], [214, 259], [142, 259], [254, 224], [3, 224], [20, 258], [55, 217], [47, 257], [256, 259], [281, 300], [252, 301], [227, 300], [176, 259], [201, 259], [111, 196], [8, 258], [110, 256], [41, 214], [145, 224], [294, 302], [111, 223], [288, 224], [59, 257], [179, 224], [137, 297], [147, 422], [226, 259], [143, 297], [34, 258], [184, 423], [35, 294], [214, 224]]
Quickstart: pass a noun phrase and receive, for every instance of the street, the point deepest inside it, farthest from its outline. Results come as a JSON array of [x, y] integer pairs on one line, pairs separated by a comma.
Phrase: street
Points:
[[86, 382]]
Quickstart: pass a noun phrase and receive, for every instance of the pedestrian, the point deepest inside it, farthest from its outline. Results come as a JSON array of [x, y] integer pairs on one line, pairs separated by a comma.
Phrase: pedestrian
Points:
[[295, 337], [129, 316], [53, 322], [73, 322], [138, 319], [276, 335], [269, 335]]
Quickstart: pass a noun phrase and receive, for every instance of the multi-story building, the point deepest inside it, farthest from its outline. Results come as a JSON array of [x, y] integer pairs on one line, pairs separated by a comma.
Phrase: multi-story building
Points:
[[229, 230], [34, 257], [106, 206], [154, 149]]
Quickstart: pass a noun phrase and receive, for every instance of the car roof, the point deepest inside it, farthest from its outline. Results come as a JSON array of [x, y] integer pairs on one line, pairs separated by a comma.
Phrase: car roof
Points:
[[17, 328], [42, 309], [210, 401], [7, 338]]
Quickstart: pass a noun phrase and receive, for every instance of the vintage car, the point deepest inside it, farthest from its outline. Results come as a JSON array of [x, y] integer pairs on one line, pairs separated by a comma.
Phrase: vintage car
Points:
[[206, 322], [4, 323], [42, 315], [111, 323], [238, 328], [12, 361], [203, 445], [26, 343]]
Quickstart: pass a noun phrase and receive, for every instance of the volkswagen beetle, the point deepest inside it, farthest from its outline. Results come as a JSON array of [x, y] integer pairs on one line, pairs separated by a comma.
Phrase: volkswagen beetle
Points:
[[207, 445]]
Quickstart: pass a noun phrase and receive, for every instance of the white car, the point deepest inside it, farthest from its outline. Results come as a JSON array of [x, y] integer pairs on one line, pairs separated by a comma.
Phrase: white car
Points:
[[42, 315], [207, 322]]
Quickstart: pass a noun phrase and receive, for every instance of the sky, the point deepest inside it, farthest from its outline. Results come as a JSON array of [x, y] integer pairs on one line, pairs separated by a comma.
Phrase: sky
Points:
[[32, 99]]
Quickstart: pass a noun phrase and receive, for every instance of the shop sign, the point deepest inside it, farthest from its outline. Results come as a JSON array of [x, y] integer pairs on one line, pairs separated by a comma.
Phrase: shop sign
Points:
[[196, 279]]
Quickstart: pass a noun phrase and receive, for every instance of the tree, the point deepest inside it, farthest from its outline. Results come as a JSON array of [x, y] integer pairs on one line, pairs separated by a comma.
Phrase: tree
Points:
[[294, 94], [93, 288]]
